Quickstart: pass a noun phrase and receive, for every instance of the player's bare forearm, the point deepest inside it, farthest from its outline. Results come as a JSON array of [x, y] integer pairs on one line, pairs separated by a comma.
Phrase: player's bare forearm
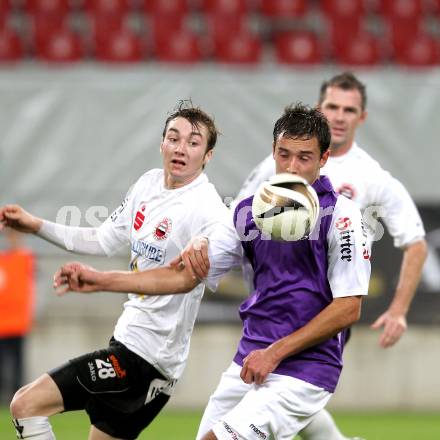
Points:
[[340, 314], [393, 320], [163, 281], [414, 257]]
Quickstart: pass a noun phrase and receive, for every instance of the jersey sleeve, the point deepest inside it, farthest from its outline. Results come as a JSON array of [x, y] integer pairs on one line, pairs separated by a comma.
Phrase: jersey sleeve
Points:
[[114, 233], [348, 251], [224, 251], [398, 211]]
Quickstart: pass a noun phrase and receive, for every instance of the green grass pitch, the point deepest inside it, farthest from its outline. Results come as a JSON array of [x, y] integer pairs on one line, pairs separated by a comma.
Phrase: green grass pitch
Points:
[[173, 425]]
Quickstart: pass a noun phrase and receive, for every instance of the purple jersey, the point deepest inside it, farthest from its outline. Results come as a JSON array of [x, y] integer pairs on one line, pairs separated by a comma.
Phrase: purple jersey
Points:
[[291, 288]]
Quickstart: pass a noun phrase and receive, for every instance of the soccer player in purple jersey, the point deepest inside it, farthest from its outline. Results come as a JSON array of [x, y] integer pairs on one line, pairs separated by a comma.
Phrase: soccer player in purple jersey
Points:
[[307, 292]]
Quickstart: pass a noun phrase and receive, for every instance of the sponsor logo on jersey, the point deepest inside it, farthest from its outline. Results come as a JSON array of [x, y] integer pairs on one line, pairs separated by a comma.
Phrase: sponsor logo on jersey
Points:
[[343, 224], [347, 190], [163, 229], [366, 251], [259, 433], [140, 217], [118, 210], [149, 251], [229, 430], [117, 366]]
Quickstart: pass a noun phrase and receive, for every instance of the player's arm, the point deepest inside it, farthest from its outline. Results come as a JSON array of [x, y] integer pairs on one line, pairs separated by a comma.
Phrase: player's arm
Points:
[[404, 224], [161, 281], [15, 217], [393, 320]]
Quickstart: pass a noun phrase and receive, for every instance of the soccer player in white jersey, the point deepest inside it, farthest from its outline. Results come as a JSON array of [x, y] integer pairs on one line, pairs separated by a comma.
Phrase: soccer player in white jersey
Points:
[[306, 294], [124, 386], [355, 174]]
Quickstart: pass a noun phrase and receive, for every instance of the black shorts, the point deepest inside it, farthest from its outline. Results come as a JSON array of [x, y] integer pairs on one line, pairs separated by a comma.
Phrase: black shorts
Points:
[[121, 392]]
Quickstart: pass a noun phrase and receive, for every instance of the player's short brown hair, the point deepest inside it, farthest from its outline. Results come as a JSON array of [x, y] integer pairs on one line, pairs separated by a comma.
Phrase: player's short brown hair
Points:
[[196, 117], [345, 81]]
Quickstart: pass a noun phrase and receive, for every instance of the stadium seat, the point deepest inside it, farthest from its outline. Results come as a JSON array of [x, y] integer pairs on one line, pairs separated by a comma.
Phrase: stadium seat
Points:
[[161, 24], [43, 26], [62, 46], [242, 48], [50, 7], [103, 25], [225, 7], [180, 46], [166, 7], [11, 47], [107, 7], [284, 8], [422, 51], [221, 27], [361, 50], [342, 9], [341, 30], [299, 48], [401, 9], [123, 46]]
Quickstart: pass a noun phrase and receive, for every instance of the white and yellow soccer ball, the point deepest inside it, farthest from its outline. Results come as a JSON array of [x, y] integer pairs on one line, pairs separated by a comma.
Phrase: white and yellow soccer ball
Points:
[[285, 207]]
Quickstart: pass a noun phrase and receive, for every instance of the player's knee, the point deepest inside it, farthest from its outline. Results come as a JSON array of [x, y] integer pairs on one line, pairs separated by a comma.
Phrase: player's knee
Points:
[[22, 404]]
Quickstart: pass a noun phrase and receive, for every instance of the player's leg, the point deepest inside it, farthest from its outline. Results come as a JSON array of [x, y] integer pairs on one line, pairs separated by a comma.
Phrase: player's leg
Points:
[[228, 394], [96, 434], [323, 427], [31, 406], [277, 409]]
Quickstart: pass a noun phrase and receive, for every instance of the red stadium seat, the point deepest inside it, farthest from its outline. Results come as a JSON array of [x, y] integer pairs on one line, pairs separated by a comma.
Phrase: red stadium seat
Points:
[[362, 50], [225, 7], [103, 25], [343, 8], [62, 46], [107, 7], [50, 7], [163, 25], [422, 51], [123, 46], [11, 47], [43, 26], [166, 7], [401, 9], [243, 48], [299, 48], [284, 8], [342, 30], [220, 28], [181, 47]]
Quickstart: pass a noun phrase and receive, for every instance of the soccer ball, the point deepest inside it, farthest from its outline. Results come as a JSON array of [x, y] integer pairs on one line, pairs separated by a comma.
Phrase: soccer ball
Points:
[[286, 207]]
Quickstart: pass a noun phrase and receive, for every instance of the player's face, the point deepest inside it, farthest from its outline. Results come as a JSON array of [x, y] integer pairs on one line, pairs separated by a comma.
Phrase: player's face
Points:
[[299, 156], [343, 109], [184, 152]]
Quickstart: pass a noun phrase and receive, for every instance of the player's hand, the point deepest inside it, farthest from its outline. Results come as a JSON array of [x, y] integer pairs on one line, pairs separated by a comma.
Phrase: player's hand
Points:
[[257, 365], [17, 218], [76, 277], [195, 258], [394, 326]]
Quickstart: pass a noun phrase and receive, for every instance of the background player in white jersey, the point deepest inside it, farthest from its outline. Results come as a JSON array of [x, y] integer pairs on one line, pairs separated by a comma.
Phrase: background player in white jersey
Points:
[[355, 174], [123, 387], [306, 293]]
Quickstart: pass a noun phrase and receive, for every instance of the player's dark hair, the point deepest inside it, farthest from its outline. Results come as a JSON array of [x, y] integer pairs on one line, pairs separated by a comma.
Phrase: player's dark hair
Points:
[[300, 121], [345, 81], [196, 117]]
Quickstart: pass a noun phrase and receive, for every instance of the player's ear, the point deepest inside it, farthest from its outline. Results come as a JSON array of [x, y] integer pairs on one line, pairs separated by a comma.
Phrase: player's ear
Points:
[[273, 149], [161, 147], [324, 158], [208, 156], [363, 117]]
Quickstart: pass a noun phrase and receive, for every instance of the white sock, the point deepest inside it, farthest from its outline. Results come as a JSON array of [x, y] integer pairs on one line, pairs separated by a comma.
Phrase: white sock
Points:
[[322, 427], [35, 428]]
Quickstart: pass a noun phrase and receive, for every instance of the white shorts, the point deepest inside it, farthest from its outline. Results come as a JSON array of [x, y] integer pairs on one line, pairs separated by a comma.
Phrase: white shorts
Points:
[[278, 409]]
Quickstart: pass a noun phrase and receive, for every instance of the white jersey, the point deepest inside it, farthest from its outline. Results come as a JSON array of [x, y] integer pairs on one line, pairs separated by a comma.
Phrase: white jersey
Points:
[[158, 223], [359, 177]]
